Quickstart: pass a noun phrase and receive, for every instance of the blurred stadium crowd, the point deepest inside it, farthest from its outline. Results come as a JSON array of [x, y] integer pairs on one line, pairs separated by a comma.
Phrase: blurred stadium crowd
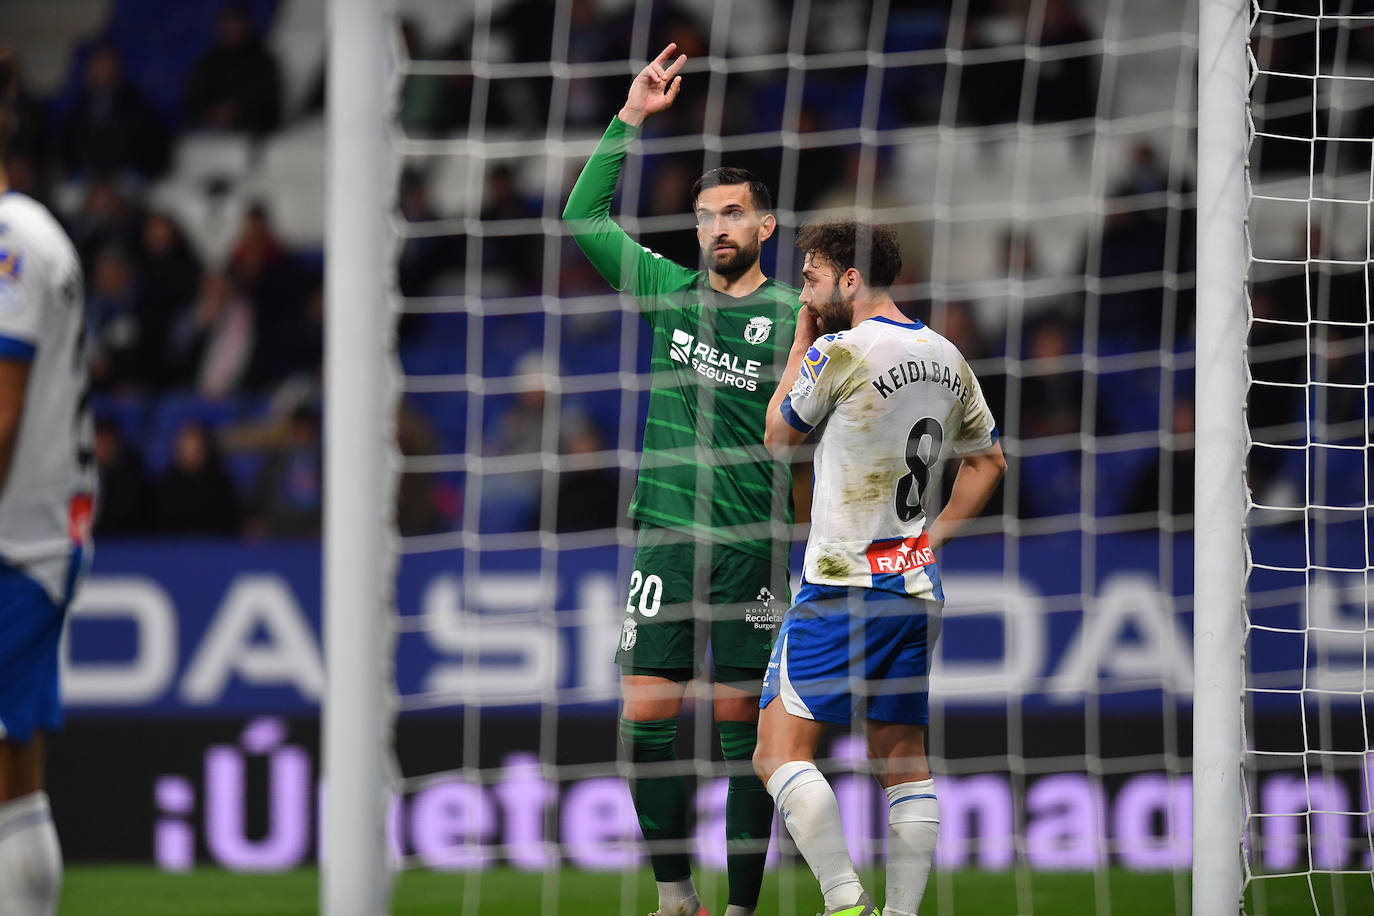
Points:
[[208, 354]]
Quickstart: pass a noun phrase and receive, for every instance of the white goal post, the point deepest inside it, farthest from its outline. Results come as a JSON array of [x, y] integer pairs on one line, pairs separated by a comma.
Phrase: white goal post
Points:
[[1219, 514], [358, 566]]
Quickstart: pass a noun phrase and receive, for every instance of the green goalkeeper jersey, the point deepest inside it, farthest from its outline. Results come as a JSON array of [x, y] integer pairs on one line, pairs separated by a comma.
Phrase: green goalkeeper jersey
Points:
[[716, 362]]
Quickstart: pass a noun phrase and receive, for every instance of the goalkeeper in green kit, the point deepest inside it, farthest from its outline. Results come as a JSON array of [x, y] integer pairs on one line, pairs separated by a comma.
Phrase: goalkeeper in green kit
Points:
[[713, 509]]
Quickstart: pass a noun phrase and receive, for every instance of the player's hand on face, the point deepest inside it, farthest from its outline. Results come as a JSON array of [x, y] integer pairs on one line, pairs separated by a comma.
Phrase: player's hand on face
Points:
[[808, 328], [655, 88]]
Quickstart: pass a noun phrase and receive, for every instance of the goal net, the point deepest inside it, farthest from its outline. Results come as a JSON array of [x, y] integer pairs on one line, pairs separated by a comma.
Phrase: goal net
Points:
[[1308, 752], [1037, 160]]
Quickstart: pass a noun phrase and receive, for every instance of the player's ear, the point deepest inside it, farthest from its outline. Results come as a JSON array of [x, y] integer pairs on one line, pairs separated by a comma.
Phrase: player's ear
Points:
[[767, 225]]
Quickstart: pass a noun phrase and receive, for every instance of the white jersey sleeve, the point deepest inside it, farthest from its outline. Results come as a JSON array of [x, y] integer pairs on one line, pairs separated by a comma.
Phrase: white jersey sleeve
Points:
[[897, 400], [822, 378]]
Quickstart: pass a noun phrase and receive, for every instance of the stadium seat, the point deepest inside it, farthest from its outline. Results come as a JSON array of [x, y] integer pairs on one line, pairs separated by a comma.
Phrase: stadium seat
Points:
[[206, 157], [129, 412], [290, 180], [297, 39]]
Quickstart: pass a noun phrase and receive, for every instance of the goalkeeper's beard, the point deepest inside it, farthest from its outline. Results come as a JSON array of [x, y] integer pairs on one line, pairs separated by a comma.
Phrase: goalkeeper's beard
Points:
[[734, 264]]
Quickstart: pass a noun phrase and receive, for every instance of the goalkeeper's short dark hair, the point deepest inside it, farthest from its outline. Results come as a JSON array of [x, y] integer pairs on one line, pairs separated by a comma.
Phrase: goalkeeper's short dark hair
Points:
[[729, 175], [9, 98], [846, 243]]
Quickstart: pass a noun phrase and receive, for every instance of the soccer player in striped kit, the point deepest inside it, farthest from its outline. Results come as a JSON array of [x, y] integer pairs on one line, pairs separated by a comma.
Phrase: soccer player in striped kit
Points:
[[713, 509], [897, 400], [47, 478]]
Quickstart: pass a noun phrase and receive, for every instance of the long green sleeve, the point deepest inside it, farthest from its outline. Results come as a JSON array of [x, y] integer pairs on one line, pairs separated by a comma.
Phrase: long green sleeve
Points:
[[625, 264]]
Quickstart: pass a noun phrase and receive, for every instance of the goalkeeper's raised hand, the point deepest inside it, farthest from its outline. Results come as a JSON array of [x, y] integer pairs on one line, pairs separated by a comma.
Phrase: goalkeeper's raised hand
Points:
[[654, 88]]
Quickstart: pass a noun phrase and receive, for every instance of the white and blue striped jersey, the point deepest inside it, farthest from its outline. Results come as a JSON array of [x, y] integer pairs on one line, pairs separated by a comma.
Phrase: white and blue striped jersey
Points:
[[897, 399], [46, 505]]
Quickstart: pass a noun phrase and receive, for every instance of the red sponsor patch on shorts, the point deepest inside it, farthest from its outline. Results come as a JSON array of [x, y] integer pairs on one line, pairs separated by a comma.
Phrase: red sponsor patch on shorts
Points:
[[899, 555], [80, 510]]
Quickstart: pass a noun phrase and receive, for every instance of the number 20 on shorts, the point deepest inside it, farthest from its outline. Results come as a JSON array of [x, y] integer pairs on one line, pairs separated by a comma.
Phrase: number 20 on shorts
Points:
[[650, 591]]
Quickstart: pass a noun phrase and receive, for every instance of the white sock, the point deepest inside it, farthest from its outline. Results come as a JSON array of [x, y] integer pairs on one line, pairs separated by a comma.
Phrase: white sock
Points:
[[913, 823], [812, 815], [30, 859], [678, 898], [735, 909]]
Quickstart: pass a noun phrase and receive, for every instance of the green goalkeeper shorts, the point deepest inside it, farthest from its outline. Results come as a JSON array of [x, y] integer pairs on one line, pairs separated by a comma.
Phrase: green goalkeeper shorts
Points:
[[666, 629]]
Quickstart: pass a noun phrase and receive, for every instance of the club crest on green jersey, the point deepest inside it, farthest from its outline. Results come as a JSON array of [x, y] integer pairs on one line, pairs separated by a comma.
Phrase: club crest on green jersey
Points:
[[681, 347], [758, 329]]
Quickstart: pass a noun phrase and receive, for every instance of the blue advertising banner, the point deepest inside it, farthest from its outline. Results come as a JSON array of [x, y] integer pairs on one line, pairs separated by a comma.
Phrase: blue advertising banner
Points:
[[196, 627]]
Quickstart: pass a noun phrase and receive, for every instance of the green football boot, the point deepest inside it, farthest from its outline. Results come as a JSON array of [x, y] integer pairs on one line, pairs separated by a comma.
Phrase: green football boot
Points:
[[864, 906]]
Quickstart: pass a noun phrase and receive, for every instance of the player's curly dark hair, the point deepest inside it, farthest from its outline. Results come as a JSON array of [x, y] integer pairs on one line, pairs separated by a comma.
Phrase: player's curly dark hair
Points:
[[729, 175], [871, 248], [9, 97]]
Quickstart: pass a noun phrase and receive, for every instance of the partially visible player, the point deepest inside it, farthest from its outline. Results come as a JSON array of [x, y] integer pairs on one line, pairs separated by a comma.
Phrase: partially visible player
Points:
[[46, 483], [712, 507], [897, 400]]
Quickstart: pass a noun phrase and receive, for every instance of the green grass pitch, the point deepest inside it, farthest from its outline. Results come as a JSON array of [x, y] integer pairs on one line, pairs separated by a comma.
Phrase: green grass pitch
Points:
[[501, 892]]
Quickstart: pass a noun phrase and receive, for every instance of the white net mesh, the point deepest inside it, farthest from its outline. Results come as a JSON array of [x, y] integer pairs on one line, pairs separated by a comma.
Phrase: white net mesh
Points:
[[1307, 683], [1036, 158]]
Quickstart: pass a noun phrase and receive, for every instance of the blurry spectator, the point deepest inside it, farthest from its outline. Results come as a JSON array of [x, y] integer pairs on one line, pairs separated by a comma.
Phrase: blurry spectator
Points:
[[592, 35], [1132, 255], [1144, 176], [169, 277], [820, 167], [29, 158], [511, 498], [120, 353], [212, 343], [1178, 456], [988, 77], [1277, 354], [289, 493], [424, 97], [422, 503], [171, 271], [591, 38], [1051, 405], [588, 497], [112, 130], [287, 319], [236, 85], [1067, 88], [257, 248], [1023, 293], [1322, 283], [196, 495], [1282, 102], [520, 258], [106, 219], [954, 321], [289, 338], [125, 502], [423, 258], [1052, 392], [991, 84]]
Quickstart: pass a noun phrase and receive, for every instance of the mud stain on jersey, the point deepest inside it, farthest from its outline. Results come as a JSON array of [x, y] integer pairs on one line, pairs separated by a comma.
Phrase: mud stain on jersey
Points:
[[872, 489], [829, 566]]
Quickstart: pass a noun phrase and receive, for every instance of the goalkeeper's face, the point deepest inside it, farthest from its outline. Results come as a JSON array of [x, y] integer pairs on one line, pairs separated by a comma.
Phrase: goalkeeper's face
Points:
[[730, 231]]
